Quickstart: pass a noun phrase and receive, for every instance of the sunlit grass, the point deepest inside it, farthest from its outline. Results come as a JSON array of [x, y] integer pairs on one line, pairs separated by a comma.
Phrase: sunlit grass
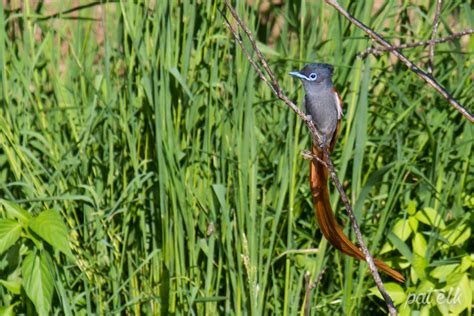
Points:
[[179, 175]]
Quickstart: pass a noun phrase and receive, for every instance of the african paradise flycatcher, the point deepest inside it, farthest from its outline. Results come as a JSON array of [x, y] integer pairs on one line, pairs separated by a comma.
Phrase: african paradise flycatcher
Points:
[[324, 105]]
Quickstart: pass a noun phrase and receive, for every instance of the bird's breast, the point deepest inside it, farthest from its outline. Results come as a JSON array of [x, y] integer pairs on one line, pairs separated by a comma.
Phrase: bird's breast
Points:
[[323, 109]]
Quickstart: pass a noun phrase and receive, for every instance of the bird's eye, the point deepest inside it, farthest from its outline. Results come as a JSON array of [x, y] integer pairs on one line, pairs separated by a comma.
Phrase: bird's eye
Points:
[[313, 76]]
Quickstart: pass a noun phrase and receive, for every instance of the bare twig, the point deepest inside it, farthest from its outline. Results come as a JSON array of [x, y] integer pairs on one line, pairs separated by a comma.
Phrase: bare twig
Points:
[[72, 10], [309, 286], [420, 73], [360, 239], [257, 51], [433, 37], [274, 84], [320, 276], [316, 139], [247, 53], [377, 51], [310, 156]]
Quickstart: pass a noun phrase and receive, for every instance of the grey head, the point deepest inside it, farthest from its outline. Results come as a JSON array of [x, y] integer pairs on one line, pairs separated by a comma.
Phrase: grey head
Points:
[[320, 101], [315, 77]]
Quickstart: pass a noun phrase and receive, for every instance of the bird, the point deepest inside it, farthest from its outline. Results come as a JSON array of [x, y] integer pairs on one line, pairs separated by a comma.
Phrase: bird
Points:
[[324, 105]]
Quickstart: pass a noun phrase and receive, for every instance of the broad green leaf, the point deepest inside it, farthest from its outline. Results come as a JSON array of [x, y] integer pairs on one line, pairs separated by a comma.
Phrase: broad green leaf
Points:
[[466, 263], [413, 222], [441, 272], [454, 278], [50, 226], [426, 310], [455, 298], [402, 229], [404, 309], [419, 244], [8, 310], [457, 236], [425, 286], [10, 231], [419, 265], [464, 298], [430, 217], [443, 307], [38, 281], [411, 207], [14, 286], [386, 248], [396, 292], [15, 211]]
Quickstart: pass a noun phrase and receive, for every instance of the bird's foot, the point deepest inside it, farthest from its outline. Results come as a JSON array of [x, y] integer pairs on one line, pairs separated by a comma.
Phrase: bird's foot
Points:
[[323, 142]]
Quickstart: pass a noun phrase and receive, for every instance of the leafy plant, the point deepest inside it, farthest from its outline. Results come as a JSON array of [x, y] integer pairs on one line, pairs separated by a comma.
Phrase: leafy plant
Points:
[[141, 126], [27, 247], [436, 285]]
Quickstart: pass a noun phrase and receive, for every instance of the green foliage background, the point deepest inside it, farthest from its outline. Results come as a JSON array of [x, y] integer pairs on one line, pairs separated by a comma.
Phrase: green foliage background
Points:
[[146, 135]]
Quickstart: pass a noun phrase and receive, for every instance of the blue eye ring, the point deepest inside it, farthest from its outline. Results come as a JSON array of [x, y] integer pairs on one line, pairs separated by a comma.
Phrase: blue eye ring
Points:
[[313, 76]]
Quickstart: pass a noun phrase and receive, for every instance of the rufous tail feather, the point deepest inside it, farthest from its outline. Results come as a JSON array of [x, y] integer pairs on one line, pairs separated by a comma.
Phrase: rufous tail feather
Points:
[[327, 221]]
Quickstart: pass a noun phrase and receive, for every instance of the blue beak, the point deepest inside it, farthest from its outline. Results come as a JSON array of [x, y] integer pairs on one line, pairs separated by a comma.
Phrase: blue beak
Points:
[[297, 74]]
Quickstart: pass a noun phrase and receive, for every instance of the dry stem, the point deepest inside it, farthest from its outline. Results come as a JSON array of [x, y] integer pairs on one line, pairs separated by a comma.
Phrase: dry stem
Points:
[[420, 73], [309, 286], [377, 51], [433, 37], [273, 84]]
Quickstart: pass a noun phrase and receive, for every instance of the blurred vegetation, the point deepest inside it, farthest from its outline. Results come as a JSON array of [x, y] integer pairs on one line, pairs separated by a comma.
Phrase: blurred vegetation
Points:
[[138, 131]]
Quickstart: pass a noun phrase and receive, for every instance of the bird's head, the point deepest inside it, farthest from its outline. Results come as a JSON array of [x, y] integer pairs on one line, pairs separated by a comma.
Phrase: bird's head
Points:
[[315, 77]]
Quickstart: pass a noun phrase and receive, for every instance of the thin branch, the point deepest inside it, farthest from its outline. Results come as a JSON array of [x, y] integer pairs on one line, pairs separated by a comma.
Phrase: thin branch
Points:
[[257, 51], [309, 286], [246, 52], [360, 239], [307, 306], [274, 84], [308, 155], [433, 36], [420, 73], [377, 51], [316, 139], [62, 14], [74, 9]]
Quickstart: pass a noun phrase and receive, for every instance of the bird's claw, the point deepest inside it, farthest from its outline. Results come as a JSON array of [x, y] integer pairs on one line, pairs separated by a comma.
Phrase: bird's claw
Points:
[[323, 142]]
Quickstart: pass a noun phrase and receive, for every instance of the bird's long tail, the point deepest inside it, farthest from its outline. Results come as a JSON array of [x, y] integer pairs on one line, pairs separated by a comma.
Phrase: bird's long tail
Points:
[[327, 221]]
